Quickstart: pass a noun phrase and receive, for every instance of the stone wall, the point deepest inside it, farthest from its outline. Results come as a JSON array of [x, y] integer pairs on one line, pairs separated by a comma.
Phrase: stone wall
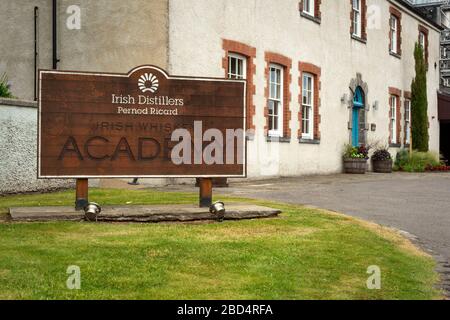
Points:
[[18, 150]]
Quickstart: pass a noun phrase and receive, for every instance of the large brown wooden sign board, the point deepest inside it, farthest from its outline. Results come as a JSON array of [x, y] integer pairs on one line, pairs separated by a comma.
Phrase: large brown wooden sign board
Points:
[[83, 133]]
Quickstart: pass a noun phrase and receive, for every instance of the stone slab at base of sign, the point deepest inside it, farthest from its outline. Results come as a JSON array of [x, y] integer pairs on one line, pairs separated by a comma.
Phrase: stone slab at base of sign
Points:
[[149, 213]]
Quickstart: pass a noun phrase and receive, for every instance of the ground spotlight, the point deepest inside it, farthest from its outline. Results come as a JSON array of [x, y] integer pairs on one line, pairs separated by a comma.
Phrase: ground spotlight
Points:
[[91, 211], [218, 208]]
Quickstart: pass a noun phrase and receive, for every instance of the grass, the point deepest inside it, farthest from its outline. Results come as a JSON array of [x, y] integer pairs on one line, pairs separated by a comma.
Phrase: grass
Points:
[[304, 254]]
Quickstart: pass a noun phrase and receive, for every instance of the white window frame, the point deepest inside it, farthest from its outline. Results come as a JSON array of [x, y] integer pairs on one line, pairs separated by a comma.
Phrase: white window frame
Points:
[[308, 131], [446, 82], [309, 7], [393, 119], [277, 98], [234, 74], [357, 21], [407, 121], [393, 24], [422, 40]]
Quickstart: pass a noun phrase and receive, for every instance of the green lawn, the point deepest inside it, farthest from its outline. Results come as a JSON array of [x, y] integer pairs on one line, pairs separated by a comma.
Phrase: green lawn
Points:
[[304, 254]]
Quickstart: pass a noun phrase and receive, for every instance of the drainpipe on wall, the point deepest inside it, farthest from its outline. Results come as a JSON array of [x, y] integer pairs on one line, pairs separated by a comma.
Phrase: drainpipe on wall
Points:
[[55, 35], [36, 49]]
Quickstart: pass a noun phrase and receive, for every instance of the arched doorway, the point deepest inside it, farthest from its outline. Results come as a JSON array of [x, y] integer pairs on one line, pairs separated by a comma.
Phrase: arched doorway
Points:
[[358, 118]]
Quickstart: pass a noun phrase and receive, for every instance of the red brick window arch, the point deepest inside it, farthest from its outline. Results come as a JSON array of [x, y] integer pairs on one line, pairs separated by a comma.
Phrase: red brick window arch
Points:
[[309, 100], [278, 95], [311, 9], [395, 32], [395, 125], [239, 63], [423, 41], [407, 118], [358, 18]]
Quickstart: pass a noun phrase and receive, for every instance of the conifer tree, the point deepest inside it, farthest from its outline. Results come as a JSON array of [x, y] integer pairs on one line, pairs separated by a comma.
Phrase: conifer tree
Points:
[[419, 103]]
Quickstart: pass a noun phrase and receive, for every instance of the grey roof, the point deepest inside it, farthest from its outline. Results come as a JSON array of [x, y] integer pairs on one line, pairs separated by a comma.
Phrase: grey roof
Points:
[[413, 6]]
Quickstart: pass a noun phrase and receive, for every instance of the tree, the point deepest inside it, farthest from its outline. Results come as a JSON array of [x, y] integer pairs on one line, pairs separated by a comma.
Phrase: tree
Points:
[[419, 103]]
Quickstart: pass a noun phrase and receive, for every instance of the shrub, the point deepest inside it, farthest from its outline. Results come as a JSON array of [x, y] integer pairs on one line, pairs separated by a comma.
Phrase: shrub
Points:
[[402, 158], [4, 87], [416, 162]]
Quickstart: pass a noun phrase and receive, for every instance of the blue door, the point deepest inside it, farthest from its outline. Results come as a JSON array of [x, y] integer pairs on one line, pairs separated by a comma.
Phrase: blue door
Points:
[[358, 104]]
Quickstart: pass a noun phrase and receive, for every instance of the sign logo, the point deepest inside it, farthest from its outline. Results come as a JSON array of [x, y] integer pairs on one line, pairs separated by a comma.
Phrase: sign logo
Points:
[[148, 83]]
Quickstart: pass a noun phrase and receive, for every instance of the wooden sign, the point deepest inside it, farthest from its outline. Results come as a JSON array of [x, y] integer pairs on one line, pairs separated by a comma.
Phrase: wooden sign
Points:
[[141, 124]]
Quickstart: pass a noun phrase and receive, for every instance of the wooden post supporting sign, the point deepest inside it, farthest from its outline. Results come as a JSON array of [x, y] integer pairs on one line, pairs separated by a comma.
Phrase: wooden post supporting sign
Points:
[[82, 194], [205, 192]]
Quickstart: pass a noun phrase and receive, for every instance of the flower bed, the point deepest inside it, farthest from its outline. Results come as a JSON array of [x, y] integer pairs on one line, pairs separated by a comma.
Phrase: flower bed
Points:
[[439, 168]]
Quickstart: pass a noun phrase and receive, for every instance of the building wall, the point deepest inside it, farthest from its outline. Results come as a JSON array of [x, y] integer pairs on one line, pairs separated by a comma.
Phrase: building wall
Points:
[[197, 30], [186, 38], [18, 150], [115, 36]]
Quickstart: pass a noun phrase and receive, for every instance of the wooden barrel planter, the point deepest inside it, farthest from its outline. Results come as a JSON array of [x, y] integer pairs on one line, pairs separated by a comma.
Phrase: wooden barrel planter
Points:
[[382, 166], [355, 165]]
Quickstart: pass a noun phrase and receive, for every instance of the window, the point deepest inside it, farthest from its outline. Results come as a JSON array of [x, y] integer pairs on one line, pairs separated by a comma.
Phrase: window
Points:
[[407, 121], [237, 66], [309, 101], [422, 40], [275, 100], [393, 120], [358, 20], [357, 27], [446, 82], [239, 62], [308, 106], [309, 7], [394, 34], [277, 92]]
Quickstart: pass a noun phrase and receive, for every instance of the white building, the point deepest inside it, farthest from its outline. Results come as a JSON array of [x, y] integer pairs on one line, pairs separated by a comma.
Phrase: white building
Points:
[[320, 53], [321, 73]]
